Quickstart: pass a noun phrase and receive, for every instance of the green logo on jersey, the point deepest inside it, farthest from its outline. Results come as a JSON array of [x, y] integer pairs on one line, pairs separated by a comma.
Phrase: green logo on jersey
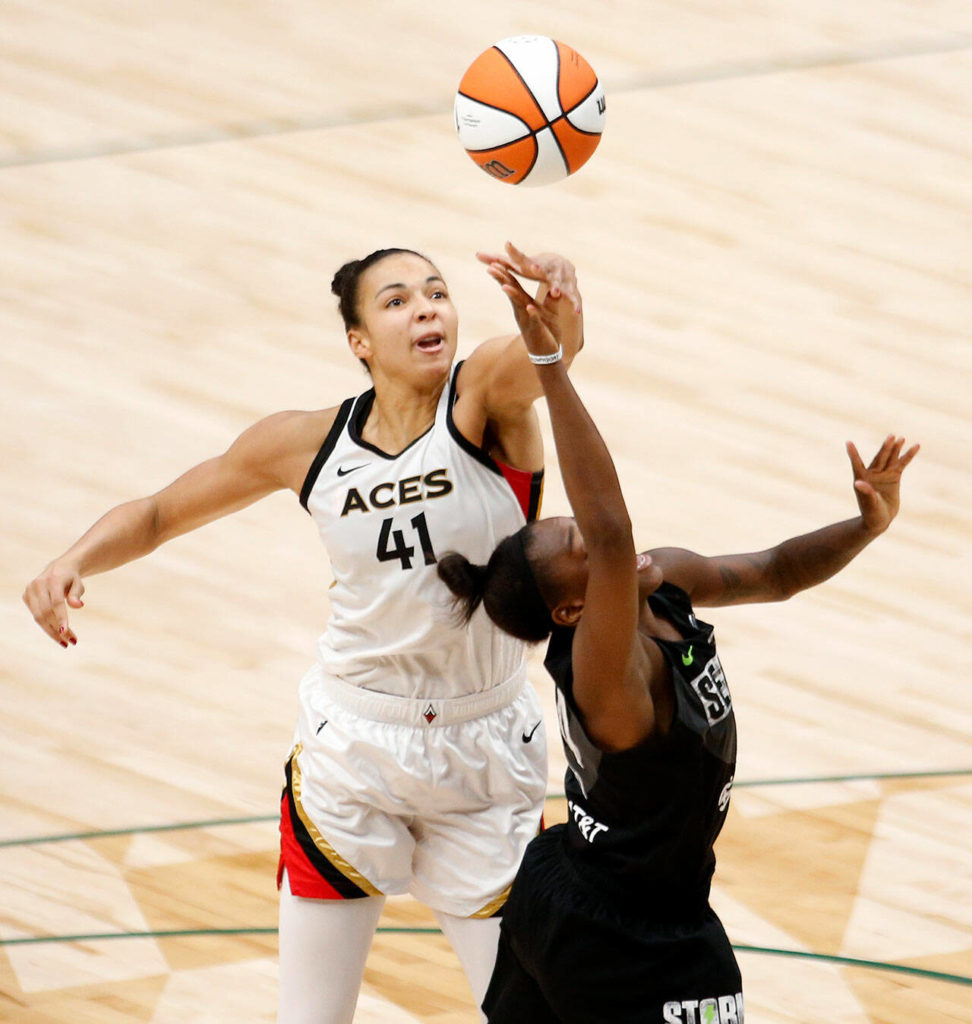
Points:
[[710, 1009], [687, 659]]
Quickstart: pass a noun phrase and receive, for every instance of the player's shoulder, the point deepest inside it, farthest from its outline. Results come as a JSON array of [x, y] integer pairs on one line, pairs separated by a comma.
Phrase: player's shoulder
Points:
[[293, 428], [474, 369], [300, 422], [284, 444]]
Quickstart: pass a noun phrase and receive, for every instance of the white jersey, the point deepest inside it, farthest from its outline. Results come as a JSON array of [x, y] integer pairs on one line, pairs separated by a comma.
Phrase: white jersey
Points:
[[384, 520]]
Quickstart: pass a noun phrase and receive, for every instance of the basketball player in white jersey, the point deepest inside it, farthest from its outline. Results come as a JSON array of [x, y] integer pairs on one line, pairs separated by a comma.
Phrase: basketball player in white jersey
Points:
[[419, 761]]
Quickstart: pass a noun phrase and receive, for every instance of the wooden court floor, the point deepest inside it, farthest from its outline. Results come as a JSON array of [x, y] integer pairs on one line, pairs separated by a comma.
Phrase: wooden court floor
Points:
[[774, 243]]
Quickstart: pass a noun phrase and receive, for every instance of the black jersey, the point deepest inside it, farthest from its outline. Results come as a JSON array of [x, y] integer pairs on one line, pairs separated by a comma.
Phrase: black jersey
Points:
[[642, 822]]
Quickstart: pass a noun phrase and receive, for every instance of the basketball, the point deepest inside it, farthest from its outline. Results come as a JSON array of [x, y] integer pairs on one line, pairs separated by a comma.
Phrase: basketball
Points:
[[530, 110]]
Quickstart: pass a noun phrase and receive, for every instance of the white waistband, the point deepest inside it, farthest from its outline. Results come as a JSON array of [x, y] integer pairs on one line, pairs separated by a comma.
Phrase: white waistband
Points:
[[386, 707]]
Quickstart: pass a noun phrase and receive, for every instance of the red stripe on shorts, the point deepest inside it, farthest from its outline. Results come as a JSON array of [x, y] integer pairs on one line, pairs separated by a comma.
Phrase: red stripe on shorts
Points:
[[305, 880]]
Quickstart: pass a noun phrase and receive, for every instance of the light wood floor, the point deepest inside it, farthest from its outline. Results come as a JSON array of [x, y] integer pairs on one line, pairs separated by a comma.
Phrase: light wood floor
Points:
[[774, 242]]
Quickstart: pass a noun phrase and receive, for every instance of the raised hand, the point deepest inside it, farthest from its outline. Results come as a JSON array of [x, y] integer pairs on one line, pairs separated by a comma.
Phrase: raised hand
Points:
[[552, 270], [537, 320], [877, 486]]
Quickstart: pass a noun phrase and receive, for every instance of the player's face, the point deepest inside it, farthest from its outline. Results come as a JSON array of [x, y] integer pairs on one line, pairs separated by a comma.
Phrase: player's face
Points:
[[557, 544], [408, 325]]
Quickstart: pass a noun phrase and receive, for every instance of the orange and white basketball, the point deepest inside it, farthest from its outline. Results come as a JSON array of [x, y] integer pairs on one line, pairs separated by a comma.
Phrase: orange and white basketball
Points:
[[530, 110]]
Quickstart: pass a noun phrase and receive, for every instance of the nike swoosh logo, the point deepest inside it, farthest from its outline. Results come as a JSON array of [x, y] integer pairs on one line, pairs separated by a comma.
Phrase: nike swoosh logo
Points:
[[527, 736], [344, 472], [687, 659]]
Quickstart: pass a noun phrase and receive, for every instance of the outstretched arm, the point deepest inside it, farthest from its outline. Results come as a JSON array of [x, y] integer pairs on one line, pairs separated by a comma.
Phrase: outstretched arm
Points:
[[801, 562], [263, 459]]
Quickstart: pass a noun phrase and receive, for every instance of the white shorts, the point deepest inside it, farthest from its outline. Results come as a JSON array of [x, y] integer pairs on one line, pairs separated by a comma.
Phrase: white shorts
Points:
[[389, 795]]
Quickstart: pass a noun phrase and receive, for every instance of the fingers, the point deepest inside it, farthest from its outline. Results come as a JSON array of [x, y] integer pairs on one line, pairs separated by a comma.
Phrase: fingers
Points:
[[59, 620], [487, 258], [562, 281], [48, 598], [555, 271], [514, 261], [857, 463], [908, 455], [884, 455], [534, 321], [887, 459], [524, 306], [57, 616], [75, 593], [895, 453], [896, 461], [523, 264], [558, 274], [515, 253], [499, 271], [510, 285], [519, 297]]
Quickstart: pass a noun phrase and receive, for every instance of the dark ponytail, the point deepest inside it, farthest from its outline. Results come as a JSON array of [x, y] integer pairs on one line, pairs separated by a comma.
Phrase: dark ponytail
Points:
[[506, 587], [466, 581]]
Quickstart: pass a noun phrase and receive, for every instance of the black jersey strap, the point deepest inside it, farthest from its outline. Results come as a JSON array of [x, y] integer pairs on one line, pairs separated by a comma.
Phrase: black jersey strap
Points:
[[325, 450], [479, 454]]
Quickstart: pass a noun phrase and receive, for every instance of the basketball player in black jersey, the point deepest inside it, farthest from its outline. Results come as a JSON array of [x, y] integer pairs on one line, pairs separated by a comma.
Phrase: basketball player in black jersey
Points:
[[609, 919]]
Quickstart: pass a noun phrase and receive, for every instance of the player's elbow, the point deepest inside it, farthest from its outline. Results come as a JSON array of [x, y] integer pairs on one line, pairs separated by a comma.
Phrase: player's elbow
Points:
[[156, 528], [781, 583]]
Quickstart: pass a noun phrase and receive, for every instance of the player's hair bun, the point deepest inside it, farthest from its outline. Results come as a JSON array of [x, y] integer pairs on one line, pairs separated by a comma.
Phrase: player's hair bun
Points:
[[342, 275], [466, 581]]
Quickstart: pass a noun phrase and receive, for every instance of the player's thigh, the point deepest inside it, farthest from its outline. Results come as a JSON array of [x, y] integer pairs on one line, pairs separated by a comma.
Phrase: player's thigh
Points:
[[339, 816], [334, 934], [482, 812]]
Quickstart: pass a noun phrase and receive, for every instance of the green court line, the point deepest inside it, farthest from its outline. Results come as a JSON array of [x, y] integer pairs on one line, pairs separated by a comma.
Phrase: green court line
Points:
[[841, 961], [820, 779], [176, 933], [849, 961], [865, 777], [265, 818], [107, 833]]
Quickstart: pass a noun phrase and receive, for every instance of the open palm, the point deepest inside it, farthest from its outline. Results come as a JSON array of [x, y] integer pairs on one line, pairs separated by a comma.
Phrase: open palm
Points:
[[877, 486]]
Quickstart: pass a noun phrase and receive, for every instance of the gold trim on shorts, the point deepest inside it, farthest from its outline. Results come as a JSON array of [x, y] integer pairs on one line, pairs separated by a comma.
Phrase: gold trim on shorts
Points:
[[490, 909], [320, 842]]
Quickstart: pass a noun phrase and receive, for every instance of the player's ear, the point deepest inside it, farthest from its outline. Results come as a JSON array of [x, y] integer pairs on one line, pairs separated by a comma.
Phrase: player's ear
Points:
[[567, 613], [359, 344]]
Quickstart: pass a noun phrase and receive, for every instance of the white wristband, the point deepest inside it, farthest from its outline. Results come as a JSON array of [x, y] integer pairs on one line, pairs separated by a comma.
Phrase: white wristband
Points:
[[545, 360]]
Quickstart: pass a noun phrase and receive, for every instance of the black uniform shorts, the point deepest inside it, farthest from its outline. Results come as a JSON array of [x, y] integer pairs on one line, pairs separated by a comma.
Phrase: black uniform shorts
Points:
[[568, 954]]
